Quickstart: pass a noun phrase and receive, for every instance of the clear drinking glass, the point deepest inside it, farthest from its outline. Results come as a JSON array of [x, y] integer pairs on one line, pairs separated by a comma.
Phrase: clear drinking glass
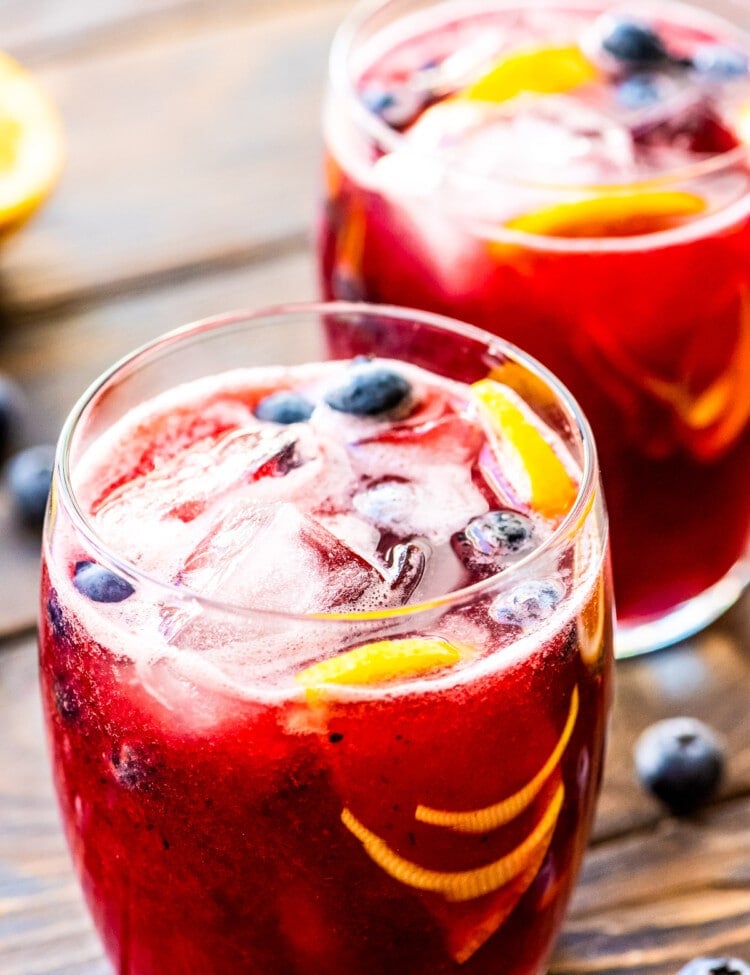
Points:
[[224, 817], [631, 285]]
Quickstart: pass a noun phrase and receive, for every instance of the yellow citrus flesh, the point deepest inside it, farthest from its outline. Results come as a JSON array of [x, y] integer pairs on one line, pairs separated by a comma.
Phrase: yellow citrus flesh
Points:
[[384, 660], [491, 817], [550, 489], [612, 215], [544, 71], [31, 143], [460, 885]]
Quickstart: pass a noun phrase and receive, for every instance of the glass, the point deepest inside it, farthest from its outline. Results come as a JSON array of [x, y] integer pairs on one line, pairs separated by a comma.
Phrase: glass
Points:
[[221, 823], [650, 329]]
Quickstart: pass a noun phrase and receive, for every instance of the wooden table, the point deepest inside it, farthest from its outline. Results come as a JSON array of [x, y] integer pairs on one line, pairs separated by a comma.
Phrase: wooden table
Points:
[[192, 130]]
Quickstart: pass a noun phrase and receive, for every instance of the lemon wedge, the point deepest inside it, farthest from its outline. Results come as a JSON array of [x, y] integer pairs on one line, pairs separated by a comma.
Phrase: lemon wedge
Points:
[[536, 472], [544, 71], [612, 215], [31, 144], [383, 660]]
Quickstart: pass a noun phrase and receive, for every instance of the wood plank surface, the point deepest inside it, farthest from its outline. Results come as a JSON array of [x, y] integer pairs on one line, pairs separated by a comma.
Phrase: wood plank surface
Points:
[[193, 147]]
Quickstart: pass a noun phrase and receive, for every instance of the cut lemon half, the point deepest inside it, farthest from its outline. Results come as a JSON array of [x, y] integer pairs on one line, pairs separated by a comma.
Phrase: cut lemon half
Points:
[[381, 661], [612, 215], [535, 471], [544, 71], [31, 144]]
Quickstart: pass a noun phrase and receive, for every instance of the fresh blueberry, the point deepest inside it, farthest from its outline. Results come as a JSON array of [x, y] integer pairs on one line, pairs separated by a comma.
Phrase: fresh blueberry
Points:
[[134, 768], [715, 966], [369, 389], [56, 617], [528, 603], [99, 584], [493, 538], [397, 107], [28, 475], [284, 407], [639, 91], [720, 63], [67, 699], [11, 414], [681, 762], [633, 43]]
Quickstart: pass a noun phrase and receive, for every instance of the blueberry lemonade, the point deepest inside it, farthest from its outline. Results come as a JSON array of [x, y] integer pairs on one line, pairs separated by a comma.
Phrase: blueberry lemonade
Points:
[[573, 177], [325, 649]]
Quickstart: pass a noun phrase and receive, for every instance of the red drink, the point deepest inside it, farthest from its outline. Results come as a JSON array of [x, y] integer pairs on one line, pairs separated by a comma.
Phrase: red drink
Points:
[[503, 167], [326, 675]]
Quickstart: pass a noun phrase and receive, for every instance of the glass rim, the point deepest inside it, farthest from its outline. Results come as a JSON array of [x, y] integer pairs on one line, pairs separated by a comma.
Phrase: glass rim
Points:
[[65, 495], [342, 85]]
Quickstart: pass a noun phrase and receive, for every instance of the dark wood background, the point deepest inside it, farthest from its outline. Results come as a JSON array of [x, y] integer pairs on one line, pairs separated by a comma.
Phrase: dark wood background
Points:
[[190, 188]]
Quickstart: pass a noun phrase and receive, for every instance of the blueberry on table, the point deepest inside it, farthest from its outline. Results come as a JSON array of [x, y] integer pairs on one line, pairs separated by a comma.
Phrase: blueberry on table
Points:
[[28, 475], [284, 407], [11, 413], [715, 966], [633, 43], [99, 584], [720, 63], [681, 762], [368, 390]]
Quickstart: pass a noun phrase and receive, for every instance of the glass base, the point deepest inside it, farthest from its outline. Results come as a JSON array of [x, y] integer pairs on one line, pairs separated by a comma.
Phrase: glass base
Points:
[[686, 619]]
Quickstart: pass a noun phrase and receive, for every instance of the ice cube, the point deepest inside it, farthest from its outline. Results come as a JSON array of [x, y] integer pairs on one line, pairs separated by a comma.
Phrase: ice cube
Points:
[[143, 517], [440, 503], [550, 139], [273, 557]]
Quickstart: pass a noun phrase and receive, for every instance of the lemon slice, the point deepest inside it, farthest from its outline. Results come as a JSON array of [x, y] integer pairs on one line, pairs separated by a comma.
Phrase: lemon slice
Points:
[[612, 215], [31, 143], [384, 660], [544, 71], [462, 885], [537, 474], [492, 817]]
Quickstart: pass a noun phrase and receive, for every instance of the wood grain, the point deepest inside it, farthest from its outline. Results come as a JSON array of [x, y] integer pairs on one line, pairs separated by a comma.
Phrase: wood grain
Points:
[[185, 150]]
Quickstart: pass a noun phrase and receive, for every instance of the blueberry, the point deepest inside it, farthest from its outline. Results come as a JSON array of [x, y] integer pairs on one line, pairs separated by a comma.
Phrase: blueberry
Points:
[[284, 407], [720, 63], [633, 43], [530, 602], [135, 768], [639, 91], [681, 762], [715, 966], [56, 617], [67, 699], [11, 414], [99, 584], [397, 107], [493, 538], [28, 475], [369, 389]]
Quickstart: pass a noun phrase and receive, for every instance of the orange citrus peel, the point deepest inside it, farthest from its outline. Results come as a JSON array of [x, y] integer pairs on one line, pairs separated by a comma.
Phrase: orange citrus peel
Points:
[[383, 660], [461, 885], [548, 488], [626, 214], [544, 71], [31, 142], [491, 817]]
